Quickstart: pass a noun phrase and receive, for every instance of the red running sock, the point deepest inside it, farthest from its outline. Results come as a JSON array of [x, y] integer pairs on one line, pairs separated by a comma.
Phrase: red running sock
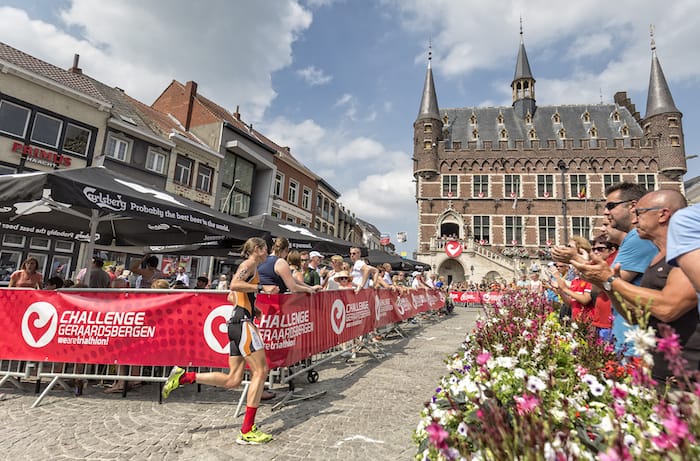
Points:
[[188, 378], [249, 419]]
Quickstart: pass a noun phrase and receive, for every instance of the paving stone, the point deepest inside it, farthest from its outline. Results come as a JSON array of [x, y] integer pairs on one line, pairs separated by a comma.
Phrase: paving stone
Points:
[[369, 412]]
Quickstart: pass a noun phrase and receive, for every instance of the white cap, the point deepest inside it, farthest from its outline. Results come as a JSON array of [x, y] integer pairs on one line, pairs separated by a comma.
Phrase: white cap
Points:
[[416, 273], [315, 253]]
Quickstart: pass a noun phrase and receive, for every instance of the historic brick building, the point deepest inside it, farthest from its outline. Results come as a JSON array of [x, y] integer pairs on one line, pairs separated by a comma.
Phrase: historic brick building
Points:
[[507, 183]]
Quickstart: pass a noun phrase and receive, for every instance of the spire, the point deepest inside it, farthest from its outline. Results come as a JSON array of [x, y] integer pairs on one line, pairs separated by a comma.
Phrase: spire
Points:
[[522, 65], [659, 99], [429, 103]]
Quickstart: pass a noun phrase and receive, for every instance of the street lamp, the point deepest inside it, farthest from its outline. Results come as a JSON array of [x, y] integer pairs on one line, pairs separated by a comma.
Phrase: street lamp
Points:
[[562, 167]]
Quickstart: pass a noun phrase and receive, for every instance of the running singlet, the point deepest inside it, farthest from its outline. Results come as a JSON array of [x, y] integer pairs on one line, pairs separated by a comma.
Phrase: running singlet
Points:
[[243, 335]]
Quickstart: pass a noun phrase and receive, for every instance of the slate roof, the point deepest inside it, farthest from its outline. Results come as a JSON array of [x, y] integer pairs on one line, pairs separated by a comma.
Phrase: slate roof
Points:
[[63, 77], [571, 119]]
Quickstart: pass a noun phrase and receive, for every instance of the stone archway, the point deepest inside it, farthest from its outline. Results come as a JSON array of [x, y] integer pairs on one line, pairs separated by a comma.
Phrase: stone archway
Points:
[[452, 270], [492, 276], [450, 224]]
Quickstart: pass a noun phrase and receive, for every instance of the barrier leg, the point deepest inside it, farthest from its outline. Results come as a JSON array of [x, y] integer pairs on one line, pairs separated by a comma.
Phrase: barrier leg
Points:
[[244, 394], [15, 382], [46, 391]]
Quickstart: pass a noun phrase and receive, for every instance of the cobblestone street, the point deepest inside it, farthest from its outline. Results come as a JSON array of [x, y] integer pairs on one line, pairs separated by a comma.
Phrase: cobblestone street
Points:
[[368, 412]]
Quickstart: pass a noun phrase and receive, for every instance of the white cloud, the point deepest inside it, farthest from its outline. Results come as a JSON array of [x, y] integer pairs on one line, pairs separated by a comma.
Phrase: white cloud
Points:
[[141, 46], [314, 76], [343, 100]]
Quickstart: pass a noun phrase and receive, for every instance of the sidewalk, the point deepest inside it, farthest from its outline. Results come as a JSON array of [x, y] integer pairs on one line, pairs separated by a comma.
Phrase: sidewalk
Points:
[[369, 412]]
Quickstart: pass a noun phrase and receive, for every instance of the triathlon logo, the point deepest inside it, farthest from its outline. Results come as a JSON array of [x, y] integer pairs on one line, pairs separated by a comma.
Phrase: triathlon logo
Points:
[[39, 324], [338, 316], [216, 329]]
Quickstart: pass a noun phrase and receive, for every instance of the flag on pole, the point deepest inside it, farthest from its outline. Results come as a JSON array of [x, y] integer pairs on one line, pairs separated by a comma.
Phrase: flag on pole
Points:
[[582, 192], [401, 237]]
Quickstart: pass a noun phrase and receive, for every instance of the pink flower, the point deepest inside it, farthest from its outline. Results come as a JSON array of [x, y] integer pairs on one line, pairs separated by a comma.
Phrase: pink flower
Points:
[[526, 403], [581, 371], [482, 358], [613, 455], [618, 393], [437, 435], [669, 344]]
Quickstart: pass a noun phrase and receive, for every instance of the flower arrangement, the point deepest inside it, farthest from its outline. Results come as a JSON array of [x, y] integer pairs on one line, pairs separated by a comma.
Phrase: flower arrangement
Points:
[[529, 387]]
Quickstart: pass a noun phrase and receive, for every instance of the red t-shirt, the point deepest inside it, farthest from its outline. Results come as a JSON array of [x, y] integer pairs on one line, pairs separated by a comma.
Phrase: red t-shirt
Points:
[[602, 311], [578, 310]]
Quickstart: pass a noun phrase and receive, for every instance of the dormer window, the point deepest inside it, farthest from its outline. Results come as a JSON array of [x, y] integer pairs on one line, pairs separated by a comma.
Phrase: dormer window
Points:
[[625, 130], [586, 117], [445, 119], [562, 133], [615, 116], [500, 119], [532, 134], [428, 128], [528, 118], [593, 132], [475, 134], [556, 118], [503, 135], [472, 119]]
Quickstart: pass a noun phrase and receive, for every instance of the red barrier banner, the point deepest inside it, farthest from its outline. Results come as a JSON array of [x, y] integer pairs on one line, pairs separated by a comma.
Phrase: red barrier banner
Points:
[[466, 296], [188, 327]]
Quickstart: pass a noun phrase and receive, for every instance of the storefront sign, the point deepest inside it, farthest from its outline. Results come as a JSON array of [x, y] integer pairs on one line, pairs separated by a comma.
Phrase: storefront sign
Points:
[[41, 156]]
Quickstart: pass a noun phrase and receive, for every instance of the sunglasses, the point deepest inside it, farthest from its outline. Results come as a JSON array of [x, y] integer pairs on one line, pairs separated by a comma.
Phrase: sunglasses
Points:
[[342, 279], [640, 211], [612, 205], [600, 248], [304, 259]]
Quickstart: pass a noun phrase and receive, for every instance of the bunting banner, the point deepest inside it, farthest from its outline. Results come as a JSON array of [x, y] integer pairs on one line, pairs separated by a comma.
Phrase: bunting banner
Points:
[[189, 328]]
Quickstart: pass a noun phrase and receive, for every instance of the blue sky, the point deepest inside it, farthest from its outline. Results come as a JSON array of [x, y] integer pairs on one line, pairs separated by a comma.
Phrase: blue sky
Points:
[[340, 81]]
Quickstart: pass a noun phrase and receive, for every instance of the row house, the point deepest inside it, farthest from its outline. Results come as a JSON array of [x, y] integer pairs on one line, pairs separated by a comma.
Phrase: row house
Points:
[[50, 118]]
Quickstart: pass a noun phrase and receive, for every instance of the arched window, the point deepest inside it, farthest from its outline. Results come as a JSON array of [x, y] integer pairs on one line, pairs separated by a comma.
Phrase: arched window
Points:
[[472, 119], [504, 135], [528, 118], [625, 130], [500, 119], [615, 116], [562, 133], [475, 134], [593, 132], [532, 134], [586, 117], [556, 118]]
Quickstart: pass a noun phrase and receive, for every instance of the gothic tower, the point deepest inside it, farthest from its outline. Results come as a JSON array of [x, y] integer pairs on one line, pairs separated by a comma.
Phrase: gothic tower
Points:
[[662, 124], [427, 129], [523, 84]]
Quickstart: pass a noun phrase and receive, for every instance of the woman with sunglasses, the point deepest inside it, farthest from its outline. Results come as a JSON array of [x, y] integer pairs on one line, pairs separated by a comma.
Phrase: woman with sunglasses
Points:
[[602, 309]]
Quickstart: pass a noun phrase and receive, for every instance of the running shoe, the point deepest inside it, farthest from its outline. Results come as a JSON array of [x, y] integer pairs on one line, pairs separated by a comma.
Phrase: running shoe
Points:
[[173, 381], [254, 437]]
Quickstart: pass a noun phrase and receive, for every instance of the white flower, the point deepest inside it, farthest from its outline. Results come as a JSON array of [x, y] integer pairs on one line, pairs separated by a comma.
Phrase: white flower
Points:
[[535, 384], [462, 429], [606, 424], [498, 347], [523, 351], [549, 453], [597, 389], [629, 440], [589, 379], [505, 362], [642, 340], [519, 373]]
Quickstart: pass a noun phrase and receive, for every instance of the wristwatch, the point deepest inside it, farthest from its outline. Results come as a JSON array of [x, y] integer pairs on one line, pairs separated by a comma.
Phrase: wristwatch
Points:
[[260, 288], [607, 285]]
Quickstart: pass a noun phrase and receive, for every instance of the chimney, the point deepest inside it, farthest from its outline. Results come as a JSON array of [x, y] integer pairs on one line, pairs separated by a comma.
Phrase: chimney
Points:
[[190, 94], [237, 114], [75, 69]]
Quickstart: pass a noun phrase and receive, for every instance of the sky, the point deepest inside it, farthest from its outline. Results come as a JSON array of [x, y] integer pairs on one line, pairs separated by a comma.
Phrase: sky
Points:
[[340, 81]]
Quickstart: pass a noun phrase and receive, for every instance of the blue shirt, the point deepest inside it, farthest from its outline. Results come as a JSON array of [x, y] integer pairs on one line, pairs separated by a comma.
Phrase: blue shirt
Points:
[[634, 255]]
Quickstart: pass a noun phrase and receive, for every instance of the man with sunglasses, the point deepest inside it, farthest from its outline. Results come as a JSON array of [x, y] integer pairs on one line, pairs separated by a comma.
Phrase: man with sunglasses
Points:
[[664, 290], [634, 254]]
